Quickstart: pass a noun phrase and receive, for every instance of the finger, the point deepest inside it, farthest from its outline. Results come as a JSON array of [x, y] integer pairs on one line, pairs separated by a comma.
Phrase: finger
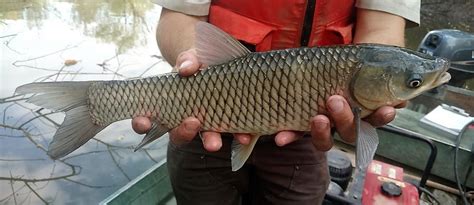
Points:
[[141, 125], [212, 141], [186, 131], [286, 137], [321, 133], [242, 138], [187, 63], [381, 116], [342, 117]]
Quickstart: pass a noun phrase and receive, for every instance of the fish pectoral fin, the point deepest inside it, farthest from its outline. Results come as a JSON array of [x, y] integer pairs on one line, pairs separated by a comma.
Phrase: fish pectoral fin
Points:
[[367, 142], [214, 46], [156, 131], [240, 152], [366, 145]]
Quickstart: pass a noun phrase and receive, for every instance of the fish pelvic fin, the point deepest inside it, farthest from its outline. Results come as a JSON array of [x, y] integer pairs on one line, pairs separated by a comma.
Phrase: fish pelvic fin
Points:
[[70, 97], [156, 132], [240, 152]]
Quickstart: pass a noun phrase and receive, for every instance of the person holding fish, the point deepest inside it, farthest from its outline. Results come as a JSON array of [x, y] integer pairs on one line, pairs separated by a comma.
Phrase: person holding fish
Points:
[[307, 74], [287, 168], [298, 81]]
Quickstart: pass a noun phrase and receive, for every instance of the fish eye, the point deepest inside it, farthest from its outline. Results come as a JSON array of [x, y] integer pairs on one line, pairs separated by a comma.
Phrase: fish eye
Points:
[[415, 81]]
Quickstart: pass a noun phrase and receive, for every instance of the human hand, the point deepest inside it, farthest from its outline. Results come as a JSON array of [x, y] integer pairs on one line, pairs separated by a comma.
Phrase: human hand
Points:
[[340, 116], [187, 65]]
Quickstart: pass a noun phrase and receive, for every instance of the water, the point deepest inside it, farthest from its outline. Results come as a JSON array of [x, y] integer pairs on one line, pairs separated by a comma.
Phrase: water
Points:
[[106, 40]]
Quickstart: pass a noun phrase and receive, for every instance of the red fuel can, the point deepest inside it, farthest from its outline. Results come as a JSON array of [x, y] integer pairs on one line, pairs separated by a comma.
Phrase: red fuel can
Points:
[[384, 185]]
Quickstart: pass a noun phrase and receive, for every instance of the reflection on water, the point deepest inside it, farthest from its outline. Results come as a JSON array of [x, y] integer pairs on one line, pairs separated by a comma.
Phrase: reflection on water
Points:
[[113, 21], [46, 40]]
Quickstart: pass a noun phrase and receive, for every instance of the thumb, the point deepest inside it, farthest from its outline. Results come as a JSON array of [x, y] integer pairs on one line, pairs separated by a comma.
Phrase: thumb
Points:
[[187, 63]]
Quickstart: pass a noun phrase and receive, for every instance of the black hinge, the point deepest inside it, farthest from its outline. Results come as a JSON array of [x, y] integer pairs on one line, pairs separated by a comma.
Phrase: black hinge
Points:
[[308, 22]]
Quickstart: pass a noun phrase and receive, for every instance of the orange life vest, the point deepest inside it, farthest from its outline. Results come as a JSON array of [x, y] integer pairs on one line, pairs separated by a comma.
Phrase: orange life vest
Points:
[[278, 24]]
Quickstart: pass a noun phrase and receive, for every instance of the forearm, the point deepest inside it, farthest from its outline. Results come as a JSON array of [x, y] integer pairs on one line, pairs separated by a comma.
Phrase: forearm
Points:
[[379, 27], [175, 33]]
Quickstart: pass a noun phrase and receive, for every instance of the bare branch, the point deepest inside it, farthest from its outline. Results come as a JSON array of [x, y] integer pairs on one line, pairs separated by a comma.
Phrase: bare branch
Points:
[[36, 193], [111, 145], [5, 111], [38, 116], [21, 160], [149, 156], [118, 165], [12, 136], [83, 154], [38, 180], [42, 56], [7, 44], [149, 68], [13, 189]]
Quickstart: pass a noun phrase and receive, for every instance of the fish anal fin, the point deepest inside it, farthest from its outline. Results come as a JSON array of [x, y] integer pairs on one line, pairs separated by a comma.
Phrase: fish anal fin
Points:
[[157, 130], [240, 152], [214, 46]]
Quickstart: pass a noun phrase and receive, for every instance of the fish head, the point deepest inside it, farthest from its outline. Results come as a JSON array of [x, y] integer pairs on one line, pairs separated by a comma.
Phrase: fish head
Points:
[[389, 75]]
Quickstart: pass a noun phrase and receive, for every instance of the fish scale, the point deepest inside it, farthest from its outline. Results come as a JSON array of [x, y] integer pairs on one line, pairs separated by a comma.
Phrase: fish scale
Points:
[[260, 103]]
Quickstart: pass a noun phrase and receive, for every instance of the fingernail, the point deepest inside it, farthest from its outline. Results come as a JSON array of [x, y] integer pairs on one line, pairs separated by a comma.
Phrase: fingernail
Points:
[[336, 105], [215, 145], [185, 64], [282, 141], [245, 140], [388, 117]]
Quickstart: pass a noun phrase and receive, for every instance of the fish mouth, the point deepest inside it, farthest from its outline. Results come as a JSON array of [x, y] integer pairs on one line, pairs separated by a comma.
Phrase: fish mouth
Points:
[[444, 76]]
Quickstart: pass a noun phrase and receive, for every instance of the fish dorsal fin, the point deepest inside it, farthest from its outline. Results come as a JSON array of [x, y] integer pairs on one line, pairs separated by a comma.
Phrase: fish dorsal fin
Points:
[[240, 152], [214, 46]]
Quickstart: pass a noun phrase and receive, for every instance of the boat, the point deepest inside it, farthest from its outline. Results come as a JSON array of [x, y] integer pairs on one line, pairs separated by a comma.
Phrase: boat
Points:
[[151, 187]]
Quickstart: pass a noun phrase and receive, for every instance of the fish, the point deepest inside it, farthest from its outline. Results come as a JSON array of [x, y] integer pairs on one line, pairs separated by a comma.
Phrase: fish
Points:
[[259, 93]]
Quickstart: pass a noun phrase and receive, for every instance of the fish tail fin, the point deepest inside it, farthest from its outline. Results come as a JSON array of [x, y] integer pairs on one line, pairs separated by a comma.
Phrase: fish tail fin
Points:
[[70, 97], [240, 152]]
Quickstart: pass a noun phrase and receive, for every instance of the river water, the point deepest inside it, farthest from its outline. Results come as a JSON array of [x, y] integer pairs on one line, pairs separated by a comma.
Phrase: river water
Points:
[[103, 40], [46, 40]]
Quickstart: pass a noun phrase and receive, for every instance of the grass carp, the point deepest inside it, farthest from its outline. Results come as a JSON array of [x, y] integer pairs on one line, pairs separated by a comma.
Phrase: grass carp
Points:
[[259, 93]]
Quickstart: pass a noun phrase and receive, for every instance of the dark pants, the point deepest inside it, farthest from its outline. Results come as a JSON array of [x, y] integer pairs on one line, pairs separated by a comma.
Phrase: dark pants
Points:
[[293, 174]]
